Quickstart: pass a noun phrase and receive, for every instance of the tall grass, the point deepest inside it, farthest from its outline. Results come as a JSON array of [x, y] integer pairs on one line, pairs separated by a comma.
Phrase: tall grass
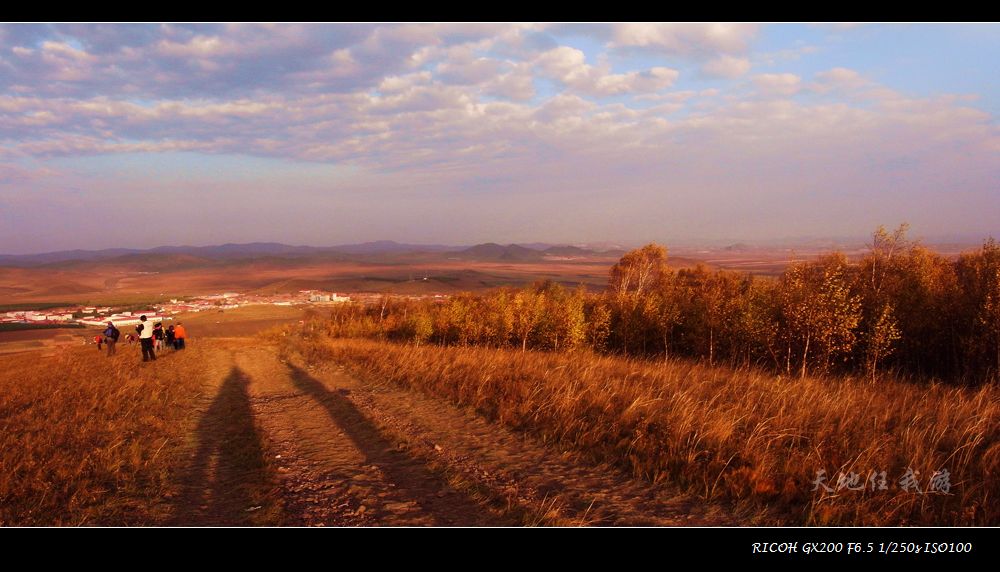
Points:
[[86, 439], [751, 439]]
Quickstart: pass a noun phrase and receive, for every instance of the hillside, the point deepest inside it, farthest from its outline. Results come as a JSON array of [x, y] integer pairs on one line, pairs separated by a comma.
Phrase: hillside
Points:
[[236, 430], [738, 438]]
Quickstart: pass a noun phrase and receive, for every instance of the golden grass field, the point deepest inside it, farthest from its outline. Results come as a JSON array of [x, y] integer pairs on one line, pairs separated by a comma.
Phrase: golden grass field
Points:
[[261, 421], [241, 322], [751, 440], [231, 431], [89, 440]]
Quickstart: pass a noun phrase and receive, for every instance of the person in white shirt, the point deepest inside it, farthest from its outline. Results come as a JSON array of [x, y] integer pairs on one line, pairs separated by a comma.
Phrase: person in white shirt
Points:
[[146, 339]]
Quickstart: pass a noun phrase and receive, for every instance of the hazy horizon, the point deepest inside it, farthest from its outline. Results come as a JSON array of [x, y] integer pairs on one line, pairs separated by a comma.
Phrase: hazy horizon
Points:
[[137, 136], [718, 242]]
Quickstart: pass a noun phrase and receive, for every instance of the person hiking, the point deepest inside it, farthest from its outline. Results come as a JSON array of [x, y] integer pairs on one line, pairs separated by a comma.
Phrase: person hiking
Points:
[[97, 340], [146, 339], [170, 336], [111, 335], [180, 334], [158, 336]]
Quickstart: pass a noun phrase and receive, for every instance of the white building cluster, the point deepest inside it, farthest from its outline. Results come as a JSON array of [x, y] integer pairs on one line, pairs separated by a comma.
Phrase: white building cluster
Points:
[[100, 316], [36, 317], [126, 319], [322, 297]]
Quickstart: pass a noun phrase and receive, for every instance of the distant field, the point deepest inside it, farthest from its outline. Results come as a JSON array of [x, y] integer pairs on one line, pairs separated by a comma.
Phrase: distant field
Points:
[[240, 322], [28, 287], [245, 321], [40, 334], [107, 283], [30, 306], [20, 327], [144, 281], [45, 340]]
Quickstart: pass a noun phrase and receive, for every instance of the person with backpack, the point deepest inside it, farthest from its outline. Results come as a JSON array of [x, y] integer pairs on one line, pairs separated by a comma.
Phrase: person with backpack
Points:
[[170, 336], [111, 335]]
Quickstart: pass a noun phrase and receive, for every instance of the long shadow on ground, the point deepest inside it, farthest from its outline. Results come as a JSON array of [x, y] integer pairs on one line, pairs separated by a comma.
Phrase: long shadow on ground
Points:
[[412, 479], [228, 482]]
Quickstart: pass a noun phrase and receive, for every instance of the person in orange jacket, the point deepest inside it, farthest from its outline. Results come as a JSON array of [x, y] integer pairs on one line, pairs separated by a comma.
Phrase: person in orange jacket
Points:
[[180, 334]]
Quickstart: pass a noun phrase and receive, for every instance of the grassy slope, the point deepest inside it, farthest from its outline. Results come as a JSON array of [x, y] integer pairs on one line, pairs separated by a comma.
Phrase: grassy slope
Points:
[[108, 459], [753, 439]]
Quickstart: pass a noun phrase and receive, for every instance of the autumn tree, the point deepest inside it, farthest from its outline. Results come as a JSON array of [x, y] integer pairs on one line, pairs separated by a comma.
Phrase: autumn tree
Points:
[[751, 321], [819, 312], [499, 320], [979, 281], [418, 326], [562, 326], [636, 274], [661, 310], [529, 308], [597, 310], [928, 309], [880, 338], [878, 287], [884, 249]]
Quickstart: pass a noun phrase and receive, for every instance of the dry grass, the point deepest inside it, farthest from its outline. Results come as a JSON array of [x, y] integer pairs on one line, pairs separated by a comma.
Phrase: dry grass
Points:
[[86, 439], [240, 322], [751, 439]]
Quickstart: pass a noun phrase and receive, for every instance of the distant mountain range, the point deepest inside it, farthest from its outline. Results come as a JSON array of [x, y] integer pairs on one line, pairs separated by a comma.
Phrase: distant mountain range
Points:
[[521, 253], [493, 251], [200, 255]]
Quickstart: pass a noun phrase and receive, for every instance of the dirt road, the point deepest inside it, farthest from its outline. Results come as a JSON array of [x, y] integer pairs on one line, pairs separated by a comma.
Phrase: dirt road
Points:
[[279, 442]]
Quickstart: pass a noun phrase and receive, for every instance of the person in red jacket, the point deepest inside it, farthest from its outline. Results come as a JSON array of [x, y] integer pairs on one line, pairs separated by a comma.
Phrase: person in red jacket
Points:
[[180, 334]]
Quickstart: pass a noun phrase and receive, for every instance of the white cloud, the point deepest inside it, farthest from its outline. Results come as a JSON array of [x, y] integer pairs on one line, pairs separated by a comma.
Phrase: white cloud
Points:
[[686, 39], [563, 107], [726, 66], [568, 65], [839, 79], [777, 83], [469, 70], [421, 98], [517, 85], [197, 47], [398, 83]]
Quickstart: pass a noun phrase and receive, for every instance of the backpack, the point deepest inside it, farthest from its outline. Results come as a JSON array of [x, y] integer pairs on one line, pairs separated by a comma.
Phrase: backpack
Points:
[[112, 332]]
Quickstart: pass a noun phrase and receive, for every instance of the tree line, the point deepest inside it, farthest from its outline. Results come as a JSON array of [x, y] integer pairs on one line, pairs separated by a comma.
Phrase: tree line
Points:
[[902, 308]]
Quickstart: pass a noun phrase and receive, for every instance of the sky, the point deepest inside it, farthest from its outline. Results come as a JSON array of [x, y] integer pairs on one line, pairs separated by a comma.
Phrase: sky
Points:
[[137, 136]]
